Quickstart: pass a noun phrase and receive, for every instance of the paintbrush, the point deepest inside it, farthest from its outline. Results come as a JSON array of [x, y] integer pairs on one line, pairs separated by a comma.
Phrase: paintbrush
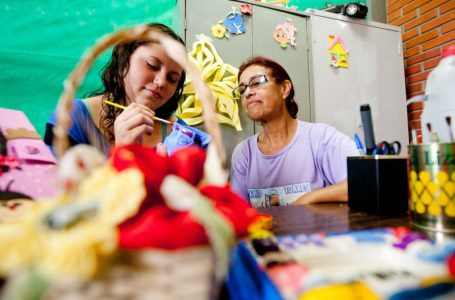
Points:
[[434, 135], [449, 124], [123, 107]]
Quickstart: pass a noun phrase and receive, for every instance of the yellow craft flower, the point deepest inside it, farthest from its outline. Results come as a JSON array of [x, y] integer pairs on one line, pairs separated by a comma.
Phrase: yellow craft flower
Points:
[[65, 239], [218, 31], [21, 243]]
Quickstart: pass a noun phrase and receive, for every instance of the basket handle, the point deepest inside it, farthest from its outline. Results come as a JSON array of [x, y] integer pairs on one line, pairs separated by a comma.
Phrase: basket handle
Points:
[[174, 50]]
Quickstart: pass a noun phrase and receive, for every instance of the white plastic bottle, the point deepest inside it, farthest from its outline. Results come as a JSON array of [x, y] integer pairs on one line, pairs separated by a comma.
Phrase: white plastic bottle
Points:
[[438, 116]]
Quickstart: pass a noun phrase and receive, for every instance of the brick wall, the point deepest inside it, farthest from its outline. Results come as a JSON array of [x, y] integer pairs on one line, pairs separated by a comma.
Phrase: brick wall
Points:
[[428, 26]]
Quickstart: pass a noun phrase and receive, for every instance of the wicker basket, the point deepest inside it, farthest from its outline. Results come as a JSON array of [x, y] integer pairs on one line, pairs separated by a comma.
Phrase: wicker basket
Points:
[[150, 274], [146, 274]]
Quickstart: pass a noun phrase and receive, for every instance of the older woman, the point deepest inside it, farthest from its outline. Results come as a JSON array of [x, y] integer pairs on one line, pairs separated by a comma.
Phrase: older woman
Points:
[[289, 161]]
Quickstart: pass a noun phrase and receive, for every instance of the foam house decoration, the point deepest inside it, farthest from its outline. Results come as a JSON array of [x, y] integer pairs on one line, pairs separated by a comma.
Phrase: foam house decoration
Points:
[[220, 77], [338, 52], [284, 34]]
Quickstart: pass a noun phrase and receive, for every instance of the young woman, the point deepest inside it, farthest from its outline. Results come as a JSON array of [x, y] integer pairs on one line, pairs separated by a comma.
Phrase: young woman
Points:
[[289, 161], [141, 76]]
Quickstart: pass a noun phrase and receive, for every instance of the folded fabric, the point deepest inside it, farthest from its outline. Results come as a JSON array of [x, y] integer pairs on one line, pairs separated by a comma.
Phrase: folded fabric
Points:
[[35, 171], [184, 135]]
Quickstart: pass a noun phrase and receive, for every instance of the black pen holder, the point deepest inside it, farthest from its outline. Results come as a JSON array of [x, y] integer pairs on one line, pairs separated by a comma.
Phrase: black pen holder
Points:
[[378, 184]]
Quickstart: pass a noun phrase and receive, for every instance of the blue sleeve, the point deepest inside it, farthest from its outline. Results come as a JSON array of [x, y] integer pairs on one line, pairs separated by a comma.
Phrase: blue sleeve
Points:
[[82, 130], [78, 131]]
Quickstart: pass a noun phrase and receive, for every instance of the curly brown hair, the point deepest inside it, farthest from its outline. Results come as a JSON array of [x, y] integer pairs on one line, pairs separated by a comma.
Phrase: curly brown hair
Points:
[[113, 88]]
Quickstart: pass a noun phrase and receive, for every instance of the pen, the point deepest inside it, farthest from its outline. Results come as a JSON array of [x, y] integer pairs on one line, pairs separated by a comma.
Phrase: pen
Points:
[[365, 113], [359, 144], [123, 107]]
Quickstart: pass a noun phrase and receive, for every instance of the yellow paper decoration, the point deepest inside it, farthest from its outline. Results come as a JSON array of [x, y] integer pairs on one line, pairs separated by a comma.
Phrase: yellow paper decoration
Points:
[[221, 79]]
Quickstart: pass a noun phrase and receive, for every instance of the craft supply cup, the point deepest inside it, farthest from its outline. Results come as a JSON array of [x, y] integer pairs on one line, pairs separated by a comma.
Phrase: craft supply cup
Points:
[[432, 186], [378, 184]]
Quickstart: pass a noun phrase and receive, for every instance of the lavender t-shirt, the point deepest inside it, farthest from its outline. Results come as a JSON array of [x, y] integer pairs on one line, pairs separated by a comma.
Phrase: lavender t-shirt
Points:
[[315, 158]]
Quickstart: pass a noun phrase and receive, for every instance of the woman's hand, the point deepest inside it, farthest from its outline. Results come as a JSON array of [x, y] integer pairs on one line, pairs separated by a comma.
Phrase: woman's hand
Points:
[[131, 125], [334, 193]]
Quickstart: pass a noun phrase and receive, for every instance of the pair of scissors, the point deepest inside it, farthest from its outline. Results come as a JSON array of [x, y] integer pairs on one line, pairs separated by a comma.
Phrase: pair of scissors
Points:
[[386, 148]]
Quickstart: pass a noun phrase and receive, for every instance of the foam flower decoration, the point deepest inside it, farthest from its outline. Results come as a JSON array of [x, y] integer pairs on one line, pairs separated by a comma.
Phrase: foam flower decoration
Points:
[[220, 77], [246, 9], [218, 31]]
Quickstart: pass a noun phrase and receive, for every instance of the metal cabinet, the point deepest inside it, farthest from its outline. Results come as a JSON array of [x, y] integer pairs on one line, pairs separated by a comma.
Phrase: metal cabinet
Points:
[[375, 74]]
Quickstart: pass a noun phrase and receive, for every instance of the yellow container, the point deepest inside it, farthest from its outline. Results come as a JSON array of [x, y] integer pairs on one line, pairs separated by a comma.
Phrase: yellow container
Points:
[[432, 186]]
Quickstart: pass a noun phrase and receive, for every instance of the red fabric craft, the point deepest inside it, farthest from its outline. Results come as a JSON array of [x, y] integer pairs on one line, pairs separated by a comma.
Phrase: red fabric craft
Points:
[[232, 206], [189, 162], [451, 265], [158, 226], [153, 166], [161, 227]]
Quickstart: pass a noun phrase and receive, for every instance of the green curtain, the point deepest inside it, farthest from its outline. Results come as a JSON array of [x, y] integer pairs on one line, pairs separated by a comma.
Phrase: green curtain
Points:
[[42, 42]]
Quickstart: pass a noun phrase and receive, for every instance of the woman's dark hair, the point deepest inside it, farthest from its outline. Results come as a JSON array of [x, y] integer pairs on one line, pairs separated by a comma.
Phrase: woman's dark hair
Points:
[[113, 88], [279, 74]]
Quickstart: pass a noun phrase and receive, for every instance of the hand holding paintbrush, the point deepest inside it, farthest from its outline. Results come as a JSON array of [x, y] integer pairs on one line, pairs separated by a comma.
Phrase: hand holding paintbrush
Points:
[[135, 122], [123, 107]]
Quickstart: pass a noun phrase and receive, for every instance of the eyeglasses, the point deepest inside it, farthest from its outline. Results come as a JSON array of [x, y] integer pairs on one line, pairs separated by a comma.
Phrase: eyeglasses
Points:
[[255, 82]]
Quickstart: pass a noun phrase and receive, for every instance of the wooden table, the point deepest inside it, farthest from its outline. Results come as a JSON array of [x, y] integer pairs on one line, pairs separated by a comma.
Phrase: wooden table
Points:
[[328, 217]]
